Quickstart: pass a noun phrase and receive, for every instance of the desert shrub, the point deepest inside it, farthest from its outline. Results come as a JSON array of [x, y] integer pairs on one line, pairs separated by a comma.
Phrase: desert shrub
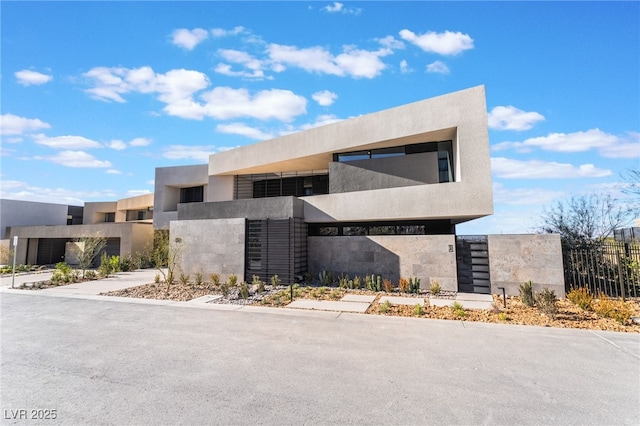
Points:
[[418, 310], [387, 285], [126, 263], [184, 278], [581, 297], [233, 280], [547, 302], [308, 277], [114, 264], [243, 290], [434, 288], [156, 279], [275, 281], [403, 285], [197, 278], [64, 274], [385, 307], [258, 283], [414, 285], [326, 278], [357, 282], [458, 309], [614, 309], [335, 294], [502, 316], [224, 289], [526, 293], [343, 281], [91, 275], [215, 279]]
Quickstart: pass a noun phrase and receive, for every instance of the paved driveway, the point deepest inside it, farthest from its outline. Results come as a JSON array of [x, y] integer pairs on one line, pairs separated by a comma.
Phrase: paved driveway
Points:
[[103, 362]]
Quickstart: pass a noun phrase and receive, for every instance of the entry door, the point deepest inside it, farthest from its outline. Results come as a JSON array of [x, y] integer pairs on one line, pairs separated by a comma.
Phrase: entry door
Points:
[[472, 257]]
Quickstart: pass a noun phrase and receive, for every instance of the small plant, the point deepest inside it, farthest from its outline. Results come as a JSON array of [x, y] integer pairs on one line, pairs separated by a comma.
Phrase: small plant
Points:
[[91, 275], [224, 289], [403, 285], [357, 282], [184, 278], [308, 277], [581, 297], [197, 278], [156, 279], [343, 281], [387, 285], [414, 285], [326, 278], [547, 302], [215, 279], [434, 288], [614, 309], [275, 281], [233, 280], [64, 274], [385, 307], [526, 293], [458, 309], [418, 310], [258, 283], [502, 316], [335, 294], [243, 290]]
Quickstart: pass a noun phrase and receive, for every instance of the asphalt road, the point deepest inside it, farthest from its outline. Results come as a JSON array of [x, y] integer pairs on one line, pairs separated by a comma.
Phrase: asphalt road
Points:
[[101, 362]]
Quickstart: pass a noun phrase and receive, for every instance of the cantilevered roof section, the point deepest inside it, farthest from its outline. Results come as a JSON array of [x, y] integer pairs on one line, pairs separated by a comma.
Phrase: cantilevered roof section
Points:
[[441, 118]]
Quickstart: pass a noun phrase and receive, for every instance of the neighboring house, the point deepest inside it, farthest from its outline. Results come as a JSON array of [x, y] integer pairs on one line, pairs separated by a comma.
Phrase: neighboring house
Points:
[[127, 224], [376, 194]]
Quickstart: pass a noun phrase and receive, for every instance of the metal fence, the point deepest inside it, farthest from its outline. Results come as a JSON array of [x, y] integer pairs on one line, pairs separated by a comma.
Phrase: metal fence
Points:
[[612, 268]]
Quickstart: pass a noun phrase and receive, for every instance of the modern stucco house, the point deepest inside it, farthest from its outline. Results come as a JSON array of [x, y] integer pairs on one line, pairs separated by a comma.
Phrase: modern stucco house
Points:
[[377, 194], [44, 230]]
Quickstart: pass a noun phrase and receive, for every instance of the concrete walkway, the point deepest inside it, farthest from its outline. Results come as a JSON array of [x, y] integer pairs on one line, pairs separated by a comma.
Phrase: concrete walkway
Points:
[[467, 300]]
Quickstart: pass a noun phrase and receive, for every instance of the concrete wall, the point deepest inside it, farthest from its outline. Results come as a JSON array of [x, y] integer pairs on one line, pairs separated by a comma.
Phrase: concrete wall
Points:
[[29, 213], [514, 259], [94, 211], [168, 181], [391, 256], [377, 173], [209, 246], [259, 208], [134, 236]]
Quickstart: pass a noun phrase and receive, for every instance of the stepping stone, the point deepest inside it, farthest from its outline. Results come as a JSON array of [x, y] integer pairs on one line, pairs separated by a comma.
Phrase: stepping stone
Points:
[[398, 300], [362, 298]]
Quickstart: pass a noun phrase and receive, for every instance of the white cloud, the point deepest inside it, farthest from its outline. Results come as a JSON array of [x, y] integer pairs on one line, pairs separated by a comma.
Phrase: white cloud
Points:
[[17, 190], [337, 7], [66, 142], [177, 89], [512, 118], [324, 97], [151, 182], [352, 62], [608, 145], [77, 159], [243, 130], [192, 152], [189, 39], [446, 43], [226, 103], [322, 120], [114, 172], [221, 32], [136, 192], [117, 145], [404, 67], [29, 77], [140, 142], [438, 67], [14, 125], [534, 169], [243, 58], [391, 42]]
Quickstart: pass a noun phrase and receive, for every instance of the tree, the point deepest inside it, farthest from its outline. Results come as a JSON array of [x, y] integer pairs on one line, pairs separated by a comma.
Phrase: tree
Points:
[[91, 247], [585, 219], [632, 187]]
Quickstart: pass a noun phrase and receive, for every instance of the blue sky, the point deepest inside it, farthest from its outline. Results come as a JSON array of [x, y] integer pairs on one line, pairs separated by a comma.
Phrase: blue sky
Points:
[[95, 95]]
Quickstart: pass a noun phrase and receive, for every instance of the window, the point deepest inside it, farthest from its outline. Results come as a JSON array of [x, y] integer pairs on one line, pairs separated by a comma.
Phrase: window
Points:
[[424, 227], [194, 194], [110, 217]]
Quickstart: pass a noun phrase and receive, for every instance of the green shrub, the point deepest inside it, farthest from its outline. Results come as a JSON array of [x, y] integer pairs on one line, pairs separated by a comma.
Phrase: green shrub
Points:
[[156, 279], [258, 283], [357, 282], [275, 281], [547, 302], [64, 274], [581, 297], [184, 278], [343, 281], [414, 285], [197, 278], [326, 278], [243, 290], [458, 309], [502, 316], [418, 310], [434, 288], [233, 280], [215, 279], [385, 307], [224, 289], [526, 293]]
